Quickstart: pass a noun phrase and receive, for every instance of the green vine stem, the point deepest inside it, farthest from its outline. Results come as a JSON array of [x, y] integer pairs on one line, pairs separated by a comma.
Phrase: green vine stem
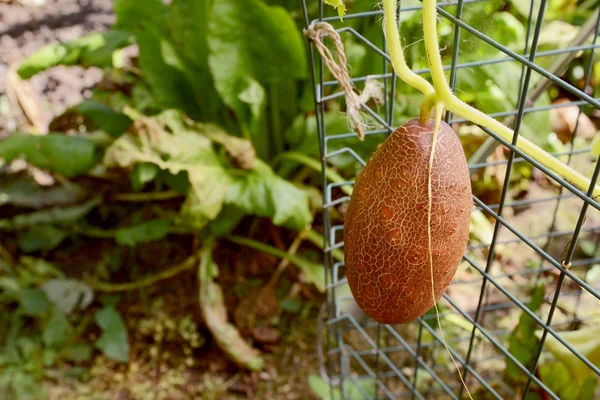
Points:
[[107, 287], [453, 104], [313, 164], [274, 251], [396, 52]]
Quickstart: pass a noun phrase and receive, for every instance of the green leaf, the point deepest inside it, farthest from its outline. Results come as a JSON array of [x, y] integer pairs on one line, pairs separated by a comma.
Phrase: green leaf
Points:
[[253, 45], [339, 6], [322, 389], [263, 193], [95, 49], [98, 115], [229, 217], [596, 144], [143, 173], [188, 23], [22, 190], [113, 341], [168, 76], [41, 237], [33, 302], [66, 155], [291, 305], [208, 188], [558, 378], [521, 343], [145, 232], [57, 330], [77, 352], [56, 215]]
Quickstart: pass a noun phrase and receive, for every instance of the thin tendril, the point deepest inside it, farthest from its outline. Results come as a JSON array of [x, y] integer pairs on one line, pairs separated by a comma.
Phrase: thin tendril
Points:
[[439, 110]]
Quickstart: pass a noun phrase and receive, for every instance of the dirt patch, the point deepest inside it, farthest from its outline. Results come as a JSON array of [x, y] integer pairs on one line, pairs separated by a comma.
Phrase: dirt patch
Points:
[[25, 28]]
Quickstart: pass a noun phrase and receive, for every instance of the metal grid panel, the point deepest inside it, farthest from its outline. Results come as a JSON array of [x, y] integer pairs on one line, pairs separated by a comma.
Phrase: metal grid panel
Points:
[[482, 306]]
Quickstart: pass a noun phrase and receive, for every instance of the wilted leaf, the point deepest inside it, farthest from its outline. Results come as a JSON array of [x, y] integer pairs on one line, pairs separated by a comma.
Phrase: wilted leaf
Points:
[[41, 237], [263, 193], [113, 341], [33, 301], [150, 143], [214, 313], [95, 49], [67, 155], [57, 330], [182, 150], [68, 294]]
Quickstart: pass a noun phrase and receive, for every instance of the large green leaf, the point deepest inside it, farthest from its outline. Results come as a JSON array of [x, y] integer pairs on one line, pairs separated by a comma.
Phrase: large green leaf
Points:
[[265, 194], [253, 45], [162, 68], [67, 155], [113, 341], [188, 27], [95, 49]]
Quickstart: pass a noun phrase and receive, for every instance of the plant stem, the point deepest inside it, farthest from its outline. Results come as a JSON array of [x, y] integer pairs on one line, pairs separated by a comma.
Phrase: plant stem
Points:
[[188, 264], [146, 196], [315, 165], [254, 244], [462, 109], [396, 52]]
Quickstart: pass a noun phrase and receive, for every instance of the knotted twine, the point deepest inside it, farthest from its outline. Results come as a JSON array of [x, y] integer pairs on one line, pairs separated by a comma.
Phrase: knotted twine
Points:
[[339, 70]]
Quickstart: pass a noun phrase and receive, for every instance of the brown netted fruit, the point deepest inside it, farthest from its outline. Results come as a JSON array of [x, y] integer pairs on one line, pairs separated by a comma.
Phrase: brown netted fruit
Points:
[[386, 231]]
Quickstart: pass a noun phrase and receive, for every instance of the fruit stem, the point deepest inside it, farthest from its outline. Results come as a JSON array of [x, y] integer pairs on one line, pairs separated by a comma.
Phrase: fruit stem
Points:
[[462, 109], [426, 106]]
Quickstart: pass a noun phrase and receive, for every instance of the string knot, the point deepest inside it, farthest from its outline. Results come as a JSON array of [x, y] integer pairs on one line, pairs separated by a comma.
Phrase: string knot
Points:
[[339, 70]]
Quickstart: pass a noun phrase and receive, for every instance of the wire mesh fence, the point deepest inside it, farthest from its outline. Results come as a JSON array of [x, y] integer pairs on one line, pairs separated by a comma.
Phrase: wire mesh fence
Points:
[[521, 313]]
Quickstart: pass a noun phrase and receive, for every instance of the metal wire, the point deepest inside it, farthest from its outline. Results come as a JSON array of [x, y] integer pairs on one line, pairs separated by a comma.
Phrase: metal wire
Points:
[[368, 360]]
